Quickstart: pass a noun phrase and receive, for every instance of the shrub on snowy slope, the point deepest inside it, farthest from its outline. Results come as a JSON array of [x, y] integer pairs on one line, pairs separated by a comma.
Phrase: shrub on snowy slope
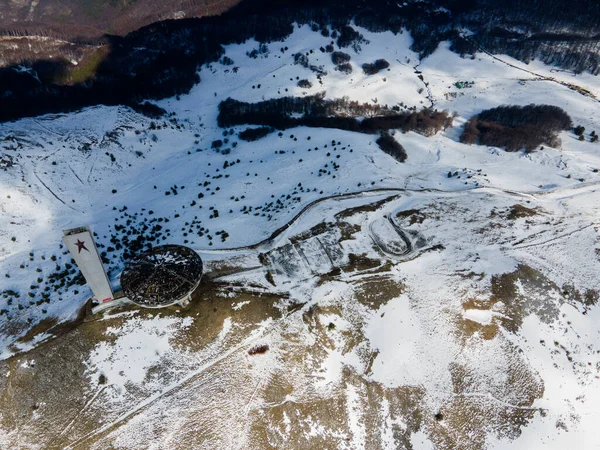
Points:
[[376, 67], [304, 84], [254, 134], [340, 58], [344, 68]]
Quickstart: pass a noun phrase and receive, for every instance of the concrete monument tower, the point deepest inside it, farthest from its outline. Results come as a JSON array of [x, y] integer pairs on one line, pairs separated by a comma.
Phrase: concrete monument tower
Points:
[[80, 243]]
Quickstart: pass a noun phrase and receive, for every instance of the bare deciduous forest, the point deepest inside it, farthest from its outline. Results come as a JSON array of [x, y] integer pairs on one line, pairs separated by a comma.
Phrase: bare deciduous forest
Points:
[[517, 127], [341, 113], [162, 59]]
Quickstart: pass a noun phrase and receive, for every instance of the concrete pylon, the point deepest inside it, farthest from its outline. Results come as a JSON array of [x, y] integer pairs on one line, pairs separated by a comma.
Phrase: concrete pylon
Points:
[[81, 244]]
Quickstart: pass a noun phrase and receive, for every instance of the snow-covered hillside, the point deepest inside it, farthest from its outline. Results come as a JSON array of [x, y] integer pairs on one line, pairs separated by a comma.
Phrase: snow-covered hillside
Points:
[[443, 343]]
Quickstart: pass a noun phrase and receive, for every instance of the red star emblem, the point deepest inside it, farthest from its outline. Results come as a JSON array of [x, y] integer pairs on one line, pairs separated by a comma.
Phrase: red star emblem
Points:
[[80, 246]]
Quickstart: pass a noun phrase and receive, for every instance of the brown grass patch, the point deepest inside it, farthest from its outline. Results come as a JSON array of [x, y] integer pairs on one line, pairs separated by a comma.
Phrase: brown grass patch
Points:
[[521, 292], [378, 291], [413, 216], [314, 231], [348, 231], [360, 262], [470, 415], [364, 208], [519, 211], [468, 327]]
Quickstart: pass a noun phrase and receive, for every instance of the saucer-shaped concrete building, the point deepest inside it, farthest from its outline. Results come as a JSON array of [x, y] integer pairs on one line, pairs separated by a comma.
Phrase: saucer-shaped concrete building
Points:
[[163, 276]]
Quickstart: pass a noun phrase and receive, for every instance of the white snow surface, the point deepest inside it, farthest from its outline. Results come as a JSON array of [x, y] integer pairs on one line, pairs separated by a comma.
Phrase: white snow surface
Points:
[[139, 345]]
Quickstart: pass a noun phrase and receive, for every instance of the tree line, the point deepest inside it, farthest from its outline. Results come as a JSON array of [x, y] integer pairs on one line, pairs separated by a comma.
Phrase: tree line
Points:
[[343, 114], [391, 146]]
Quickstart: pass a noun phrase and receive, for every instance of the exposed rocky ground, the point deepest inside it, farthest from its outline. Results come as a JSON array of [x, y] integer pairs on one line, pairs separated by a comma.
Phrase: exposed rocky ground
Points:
[[323, 336]]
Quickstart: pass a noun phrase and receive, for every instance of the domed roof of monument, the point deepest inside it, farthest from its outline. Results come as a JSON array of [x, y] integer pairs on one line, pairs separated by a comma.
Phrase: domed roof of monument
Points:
[[161, 276]]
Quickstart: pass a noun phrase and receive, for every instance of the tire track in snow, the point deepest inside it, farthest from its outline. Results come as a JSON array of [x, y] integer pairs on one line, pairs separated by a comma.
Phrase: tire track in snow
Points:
[[556, 238], [573, 87]]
